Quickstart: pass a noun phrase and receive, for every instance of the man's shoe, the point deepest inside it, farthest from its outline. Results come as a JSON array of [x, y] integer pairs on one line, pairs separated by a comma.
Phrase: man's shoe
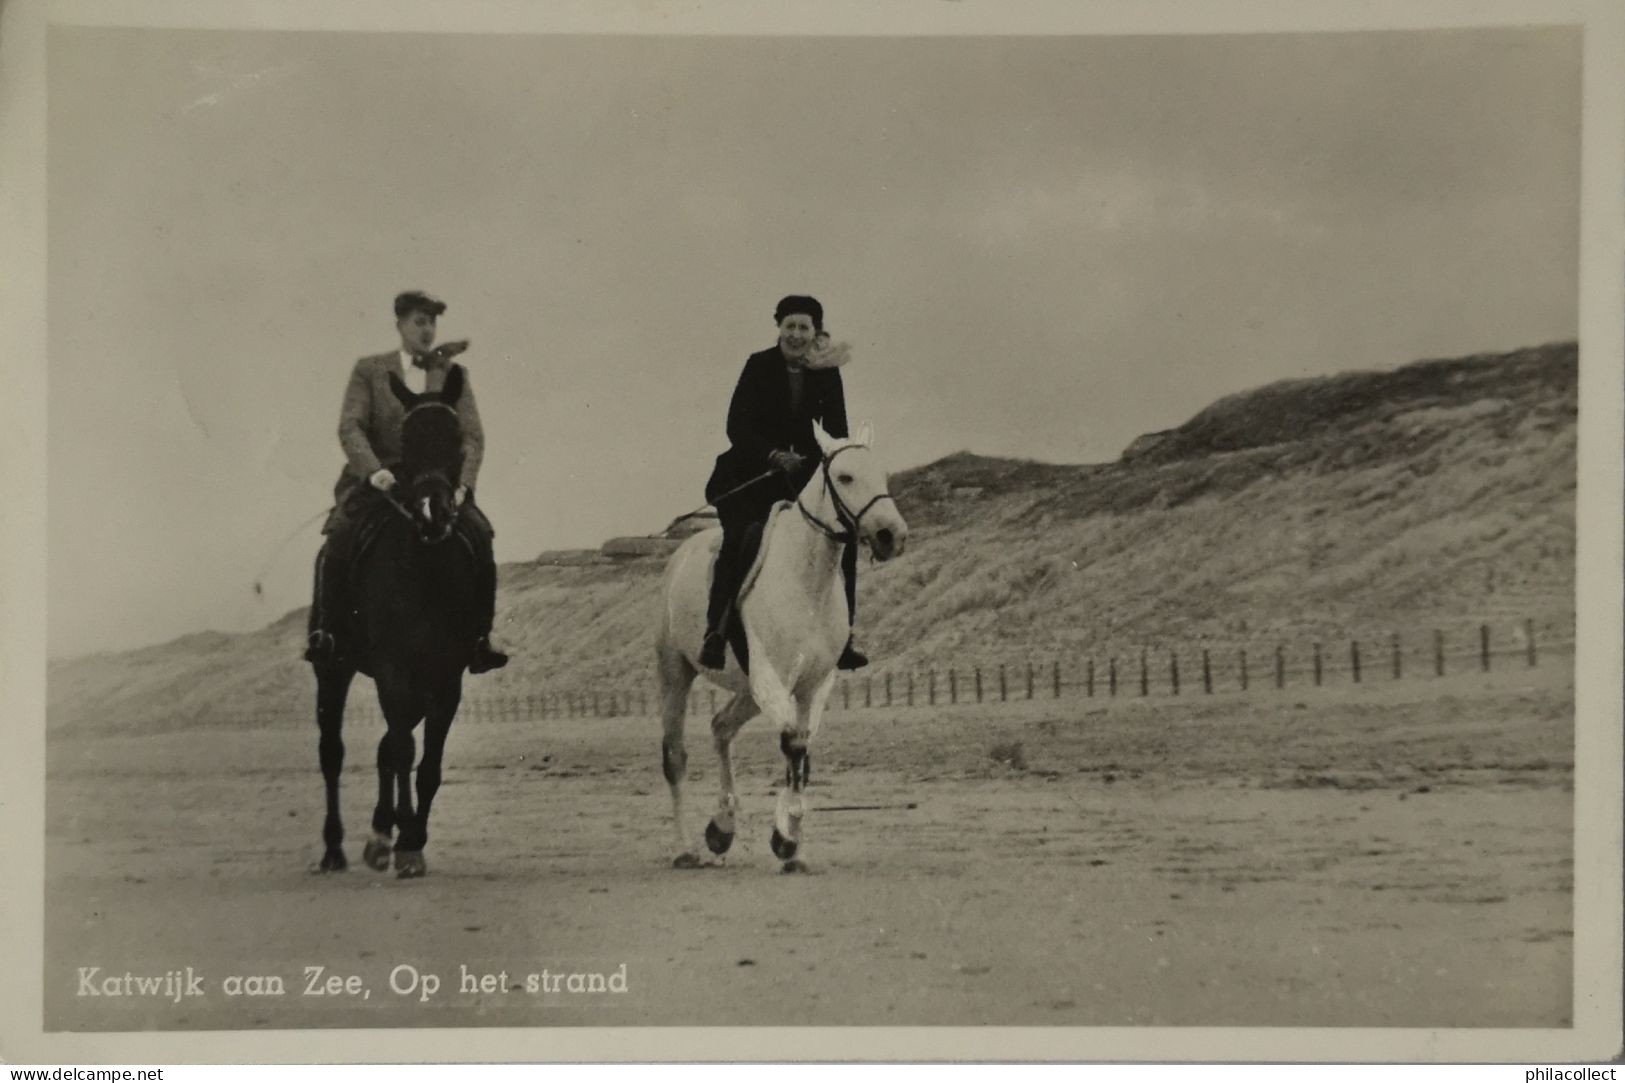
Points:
[[486, 657], [852, 658], [714, 651], [321, 649]]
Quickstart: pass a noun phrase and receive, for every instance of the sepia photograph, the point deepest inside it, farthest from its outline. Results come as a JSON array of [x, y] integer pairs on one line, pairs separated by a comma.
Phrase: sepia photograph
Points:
[[667, 522]]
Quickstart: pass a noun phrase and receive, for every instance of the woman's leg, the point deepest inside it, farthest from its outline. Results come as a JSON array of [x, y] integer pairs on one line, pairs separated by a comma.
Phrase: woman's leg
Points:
[[724, 585]]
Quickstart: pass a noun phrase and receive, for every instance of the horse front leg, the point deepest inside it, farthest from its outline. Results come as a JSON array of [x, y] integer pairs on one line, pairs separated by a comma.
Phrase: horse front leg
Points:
[[792, 804], [791, 807], [773, 694], [402, 713], [382, 842], [332, 689], [436, 726]]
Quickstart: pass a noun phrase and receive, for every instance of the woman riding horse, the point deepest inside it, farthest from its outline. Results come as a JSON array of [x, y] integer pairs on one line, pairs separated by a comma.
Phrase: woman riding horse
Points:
[[370, 433], [781, 392]]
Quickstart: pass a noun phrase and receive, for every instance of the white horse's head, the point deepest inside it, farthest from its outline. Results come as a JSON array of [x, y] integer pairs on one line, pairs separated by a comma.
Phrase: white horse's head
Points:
[[854, 491]]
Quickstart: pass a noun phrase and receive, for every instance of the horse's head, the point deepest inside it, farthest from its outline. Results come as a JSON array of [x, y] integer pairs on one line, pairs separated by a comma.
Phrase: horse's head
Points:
[[855, 487], [432, 455]]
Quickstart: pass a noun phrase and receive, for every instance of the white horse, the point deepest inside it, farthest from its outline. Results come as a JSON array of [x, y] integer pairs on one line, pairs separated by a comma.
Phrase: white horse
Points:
[[795, 617]]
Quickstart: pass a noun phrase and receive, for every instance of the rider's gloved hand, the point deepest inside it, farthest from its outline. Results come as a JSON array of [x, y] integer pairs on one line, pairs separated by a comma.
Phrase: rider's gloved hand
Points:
[[787, 462], [382, 480]]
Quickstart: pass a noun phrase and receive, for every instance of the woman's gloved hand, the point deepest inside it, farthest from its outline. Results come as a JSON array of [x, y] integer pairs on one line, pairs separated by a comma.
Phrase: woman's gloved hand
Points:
[[786, 462]]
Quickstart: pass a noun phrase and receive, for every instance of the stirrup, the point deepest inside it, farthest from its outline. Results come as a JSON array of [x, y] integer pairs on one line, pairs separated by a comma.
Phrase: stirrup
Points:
[[852, 658]]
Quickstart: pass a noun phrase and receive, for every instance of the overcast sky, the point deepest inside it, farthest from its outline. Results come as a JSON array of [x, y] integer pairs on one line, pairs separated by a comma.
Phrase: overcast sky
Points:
[[1038, 247]]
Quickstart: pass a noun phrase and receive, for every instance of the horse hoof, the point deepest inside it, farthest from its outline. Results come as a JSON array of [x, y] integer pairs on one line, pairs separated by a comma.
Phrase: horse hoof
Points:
[[795, 865], [376, 854], [783, 849], [685, 861], [410, 866], [333, 861], [717, 839]]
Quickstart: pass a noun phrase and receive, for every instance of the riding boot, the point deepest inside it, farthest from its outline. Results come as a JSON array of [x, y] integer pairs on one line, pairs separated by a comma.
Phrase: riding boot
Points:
[[485, 657], [851, 657], [322, 647], [714, 650]]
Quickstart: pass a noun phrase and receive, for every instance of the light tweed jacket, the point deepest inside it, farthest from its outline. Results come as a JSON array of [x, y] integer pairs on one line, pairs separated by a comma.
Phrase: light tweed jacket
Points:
[[370, 423]]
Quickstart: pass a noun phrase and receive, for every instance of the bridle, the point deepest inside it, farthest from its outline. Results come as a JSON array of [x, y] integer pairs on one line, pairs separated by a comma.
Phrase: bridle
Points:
[[849, 521]]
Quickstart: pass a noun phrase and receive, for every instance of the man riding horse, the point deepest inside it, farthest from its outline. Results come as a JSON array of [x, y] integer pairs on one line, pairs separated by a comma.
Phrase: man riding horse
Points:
[[781, 392], [370, 434]]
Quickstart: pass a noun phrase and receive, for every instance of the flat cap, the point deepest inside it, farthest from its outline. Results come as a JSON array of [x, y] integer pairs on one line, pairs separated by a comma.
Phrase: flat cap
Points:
[[417, 300]]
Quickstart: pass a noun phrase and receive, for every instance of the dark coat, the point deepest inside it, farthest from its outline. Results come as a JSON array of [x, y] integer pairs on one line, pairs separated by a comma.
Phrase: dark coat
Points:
[[760, 421]]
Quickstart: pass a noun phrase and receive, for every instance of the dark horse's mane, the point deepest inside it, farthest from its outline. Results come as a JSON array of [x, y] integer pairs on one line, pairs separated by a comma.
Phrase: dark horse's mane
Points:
[[432, 434], [431, 440]]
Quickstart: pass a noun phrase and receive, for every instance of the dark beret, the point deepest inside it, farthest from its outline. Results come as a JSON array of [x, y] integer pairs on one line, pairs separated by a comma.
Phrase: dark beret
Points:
[[417, 300], [807, 306]]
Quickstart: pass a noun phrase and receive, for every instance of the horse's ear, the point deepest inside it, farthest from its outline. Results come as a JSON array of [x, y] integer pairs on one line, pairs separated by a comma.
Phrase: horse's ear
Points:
[[402, 392], [825, 441], [452, 389], [866, 434]]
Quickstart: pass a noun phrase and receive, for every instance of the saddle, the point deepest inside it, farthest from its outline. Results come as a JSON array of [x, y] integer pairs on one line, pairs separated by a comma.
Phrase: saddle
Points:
[[752, 553]]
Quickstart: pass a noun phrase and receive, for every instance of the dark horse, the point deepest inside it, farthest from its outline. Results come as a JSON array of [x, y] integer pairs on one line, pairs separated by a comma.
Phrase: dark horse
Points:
[[412, 625]]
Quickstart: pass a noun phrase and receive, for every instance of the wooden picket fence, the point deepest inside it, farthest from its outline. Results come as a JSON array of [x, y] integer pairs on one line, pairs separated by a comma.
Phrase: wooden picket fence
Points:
[[1204, 670], [1180, 670]]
